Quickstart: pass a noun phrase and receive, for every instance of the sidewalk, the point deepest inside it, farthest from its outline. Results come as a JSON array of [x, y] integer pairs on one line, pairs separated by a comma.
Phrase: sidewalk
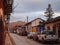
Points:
[[8, 41]]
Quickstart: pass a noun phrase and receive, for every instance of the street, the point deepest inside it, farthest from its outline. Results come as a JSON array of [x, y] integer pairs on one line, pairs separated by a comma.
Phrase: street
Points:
[[23, 40]]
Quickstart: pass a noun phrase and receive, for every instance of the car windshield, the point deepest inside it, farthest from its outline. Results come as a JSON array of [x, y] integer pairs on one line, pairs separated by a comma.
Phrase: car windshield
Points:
[[48, 32], [51, 33]]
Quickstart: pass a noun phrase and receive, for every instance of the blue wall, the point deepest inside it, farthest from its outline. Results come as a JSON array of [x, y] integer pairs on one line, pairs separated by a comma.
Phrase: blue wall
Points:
[[39, 28]]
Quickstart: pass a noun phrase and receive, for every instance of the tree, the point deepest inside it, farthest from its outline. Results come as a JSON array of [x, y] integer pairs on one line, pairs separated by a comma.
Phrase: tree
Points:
[[49, 13]]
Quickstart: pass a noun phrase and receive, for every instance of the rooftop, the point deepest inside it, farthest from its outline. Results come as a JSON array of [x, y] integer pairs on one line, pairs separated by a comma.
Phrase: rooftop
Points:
[[53, 20]]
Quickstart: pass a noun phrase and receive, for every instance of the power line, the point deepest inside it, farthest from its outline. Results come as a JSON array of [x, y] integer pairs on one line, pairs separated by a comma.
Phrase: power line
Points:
[[57, 9]]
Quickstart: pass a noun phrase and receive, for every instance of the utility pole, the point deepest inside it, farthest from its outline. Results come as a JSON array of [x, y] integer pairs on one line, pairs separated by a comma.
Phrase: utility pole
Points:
[[27, 22], [27, 19]]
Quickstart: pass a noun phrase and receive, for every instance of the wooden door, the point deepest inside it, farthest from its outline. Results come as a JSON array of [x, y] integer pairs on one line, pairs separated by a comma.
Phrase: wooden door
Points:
[[34, 29]]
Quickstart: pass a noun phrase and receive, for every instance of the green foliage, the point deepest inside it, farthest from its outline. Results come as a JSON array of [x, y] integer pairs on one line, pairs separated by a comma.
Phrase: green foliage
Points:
[[49, 13]]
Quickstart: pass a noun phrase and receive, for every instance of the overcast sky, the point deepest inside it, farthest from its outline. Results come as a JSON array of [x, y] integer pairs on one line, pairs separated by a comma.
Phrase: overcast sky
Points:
[[33, 9]]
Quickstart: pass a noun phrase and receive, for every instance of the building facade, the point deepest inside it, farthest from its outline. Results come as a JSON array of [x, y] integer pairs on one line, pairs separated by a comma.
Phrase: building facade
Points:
[[28, 27], [33, 25], [53, 25]]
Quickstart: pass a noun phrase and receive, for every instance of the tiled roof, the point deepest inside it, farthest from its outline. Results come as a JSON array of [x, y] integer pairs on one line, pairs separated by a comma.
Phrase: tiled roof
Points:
[[34, 20], [53, 20]]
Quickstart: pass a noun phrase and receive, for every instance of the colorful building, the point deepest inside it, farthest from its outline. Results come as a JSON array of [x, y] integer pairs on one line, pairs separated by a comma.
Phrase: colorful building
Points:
[[33, 25], [53, 25], [41, 26]]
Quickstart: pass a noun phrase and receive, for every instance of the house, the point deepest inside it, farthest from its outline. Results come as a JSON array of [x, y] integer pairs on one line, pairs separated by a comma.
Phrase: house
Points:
[[35, 24], [32, 26], [28, 27], [53, 25]]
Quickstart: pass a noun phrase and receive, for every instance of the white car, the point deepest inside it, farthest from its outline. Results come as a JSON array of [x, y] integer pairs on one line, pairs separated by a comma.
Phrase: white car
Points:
[[30, 35], [47, 36]]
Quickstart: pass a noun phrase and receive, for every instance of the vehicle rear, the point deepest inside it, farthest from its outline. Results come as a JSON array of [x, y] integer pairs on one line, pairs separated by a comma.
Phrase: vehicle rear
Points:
[[30, 35], [48, 36]]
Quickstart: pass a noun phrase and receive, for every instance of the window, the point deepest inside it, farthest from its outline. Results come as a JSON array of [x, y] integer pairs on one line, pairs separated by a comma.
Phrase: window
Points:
[[54, 29], [48, 28]]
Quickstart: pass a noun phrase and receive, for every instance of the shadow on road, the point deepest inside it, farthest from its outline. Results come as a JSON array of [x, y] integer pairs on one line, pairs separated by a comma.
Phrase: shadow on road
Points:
[[50, 43]]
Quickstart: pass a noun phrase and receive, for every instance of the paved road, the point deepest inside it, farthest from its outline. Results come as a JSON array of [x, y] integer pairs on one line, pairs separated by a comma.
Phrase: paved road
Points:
[[22, 40]]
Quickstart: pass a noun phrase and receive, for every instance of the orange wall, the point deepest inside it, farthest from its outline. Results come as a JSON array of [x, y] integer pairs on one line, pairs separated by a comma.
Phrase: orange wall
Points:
[[50, 25], [34, 29]]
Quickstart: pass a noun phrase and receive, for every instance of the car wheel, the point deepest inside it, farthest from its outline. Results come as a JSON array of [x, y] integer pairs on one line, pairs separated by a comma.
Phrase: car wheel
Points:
[[43, 41], [35, 38], [56, 41]]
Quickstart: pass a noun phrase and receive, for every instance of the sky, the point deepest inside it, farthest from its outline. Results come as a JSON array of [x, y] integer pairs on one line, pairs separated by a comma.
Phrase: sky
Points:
[[33, 9]]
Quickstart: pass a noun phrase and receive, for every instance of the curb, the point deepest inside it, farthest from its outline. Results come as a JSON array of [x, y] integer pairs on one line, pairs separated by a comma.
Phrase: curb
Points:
[[12, 41]]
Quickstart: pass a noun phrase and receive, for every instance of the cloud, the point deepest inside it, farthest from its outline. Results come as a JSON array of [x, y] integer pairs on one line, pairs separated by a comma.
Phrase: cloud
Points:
[[35, 5], [31, 15], [34, 1], [57, 14], [33, 9], [23, 16]]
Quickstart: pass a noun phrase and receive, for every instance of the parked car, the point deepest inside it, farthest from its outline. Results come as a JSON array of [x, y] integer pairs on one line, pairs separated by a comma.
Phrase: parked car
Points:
[[23, 33], [30, 35], [47, 36], [35, 36], [15, 31]]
